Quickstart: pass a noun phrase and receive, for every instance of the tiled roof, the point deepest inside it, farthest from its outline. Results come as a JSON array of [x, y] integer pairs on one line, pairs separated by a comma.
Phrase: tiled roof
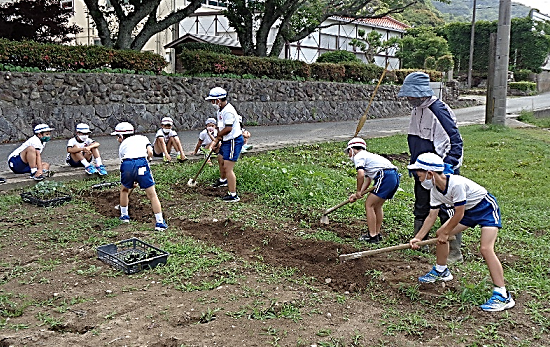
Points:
[[218, 40], [386, 22]]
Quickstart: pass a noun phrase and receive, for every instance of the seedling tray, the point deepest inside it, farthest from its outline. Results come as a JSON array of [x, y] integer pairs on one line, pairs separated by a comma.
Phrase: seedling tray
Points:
[[132, 255], [31, 199]]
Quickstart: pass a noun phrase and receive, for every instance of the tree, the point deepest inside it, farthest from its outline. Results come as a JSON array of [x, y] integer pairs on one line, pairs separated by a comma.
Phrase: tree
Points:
[[37, 20], [294, 20], [136, 21], [371, 44], [418, 45]]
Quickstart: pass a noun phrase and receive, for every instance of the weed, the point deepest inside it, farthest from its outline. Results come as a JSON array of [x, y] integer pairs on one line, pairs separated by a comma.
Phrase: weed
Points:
[[209, 315]]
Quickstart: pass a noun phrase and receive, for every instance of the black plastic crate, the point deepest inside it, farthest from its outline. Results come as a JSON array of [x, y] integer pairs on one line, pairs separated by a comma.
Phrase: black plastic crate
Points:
[[132, 255], [31, 199]]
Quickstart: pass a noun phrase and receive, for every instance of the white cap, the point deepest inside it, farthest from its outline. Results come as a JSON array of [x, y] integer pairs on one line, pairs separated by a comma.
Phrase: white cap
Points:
[[216, 93], [167, 120], [356, 142], [83, 128], [41, 128], [123, 128], [428, 162], [210, 121]]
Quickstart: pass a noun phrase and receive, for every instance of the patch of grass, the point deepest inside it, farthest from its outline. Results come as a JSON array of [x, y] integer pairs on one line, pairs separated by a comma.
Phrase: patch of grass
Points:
[[528, 117]]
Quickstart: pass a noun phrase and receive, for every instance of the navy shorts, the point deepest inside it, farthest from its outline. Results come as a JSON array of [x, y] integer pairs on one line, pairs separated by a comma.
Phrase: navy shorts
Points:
[[73, 163], [18, 166], [486, 214], [136, 170], [386, 183], [231, 149]]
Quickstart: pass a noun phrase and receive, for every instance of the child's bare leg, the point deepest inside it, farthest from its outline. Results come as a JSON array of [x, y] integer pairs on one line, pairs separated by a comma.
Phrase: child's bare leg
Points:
[[371, 208], [95, 153], [177, 145], [221, 163], [124, 196], [155, 202], [442, 249], [487, 249], [29, 156], [379, 211], [230, 175], [160, 147]]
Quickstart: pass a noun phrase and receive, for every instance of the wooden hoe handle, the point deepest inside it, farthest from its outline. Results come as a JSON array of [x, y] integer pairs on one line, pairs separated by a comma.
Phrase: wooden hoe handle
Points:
[[389, 249]]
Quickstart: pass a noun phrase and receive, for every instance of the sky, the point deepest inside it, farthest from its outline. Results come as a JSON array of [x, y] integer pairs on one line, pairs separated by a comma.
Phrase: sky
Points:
[[542, 5]]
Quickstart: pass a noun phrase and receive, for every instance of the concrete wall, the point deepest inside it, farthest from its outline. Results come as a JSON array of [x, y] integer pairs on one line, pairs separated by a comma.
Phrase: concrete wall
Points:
[[543, 81], [103, 100]]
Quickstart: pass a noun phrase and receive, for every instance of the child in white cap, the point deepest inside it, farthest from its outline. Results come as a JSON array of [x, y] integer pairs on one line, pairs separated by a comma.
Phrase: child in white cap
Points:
[[135, 152], [473, 205], [82, 150], [167, 139], [27, 157], [207, 138], [372, 167], [230, 137]]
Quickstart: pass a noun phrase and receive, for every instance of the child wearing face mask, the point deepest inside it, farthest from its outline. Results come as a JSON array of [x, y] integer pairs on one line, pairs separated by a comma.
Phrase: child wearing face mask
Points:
[[82, 150], [372, 168], [207, 137], [27, 157], [472, 205], [167, 139]]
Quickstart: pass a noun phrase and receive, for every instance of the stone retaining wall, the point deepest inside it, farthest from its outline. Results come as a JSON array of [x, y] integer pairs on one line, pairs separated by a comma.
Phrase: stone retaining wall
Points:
[[102, 100]]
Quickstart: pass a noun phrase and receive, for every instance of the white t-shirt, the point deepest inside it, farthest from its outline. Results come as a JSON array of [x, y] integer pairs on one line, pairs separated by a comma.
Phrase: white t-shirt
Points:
[[228, 116], [459, 191], [80, 144], [371, 163], [206, 140], [31, 142], [134, 147], [171, 133]]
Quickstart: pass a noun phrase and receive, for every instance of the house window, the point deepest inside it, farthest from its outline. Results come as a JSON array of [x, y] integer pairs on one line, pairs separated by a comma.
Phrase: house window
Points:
[[67, 4], [216, 3]]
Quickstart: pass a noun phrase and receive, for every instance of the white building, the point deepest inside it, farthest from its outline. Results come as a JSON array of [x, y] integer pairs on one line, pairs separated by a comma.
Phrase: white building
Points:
[[208, 25]]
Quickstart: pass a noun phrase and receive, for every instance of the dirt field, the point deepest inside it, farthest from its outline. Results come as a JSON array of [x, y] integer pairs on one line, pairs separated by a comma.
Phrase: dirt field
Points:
[[55, 292]]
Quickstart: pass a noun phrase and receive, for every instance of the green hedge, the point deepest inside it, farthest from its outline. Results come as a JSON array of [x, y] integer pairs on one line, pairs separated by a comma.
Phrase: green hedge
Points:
[[205, 46], [72, 58], [522, 75], [523, 86], [204, 62]]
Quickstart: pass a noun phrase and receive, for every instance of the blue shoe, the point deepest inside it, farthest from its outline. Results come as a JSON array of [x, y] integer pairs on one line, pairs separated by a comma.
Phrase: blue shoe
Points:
[[161, 226], [101, 170], [498, 303], [90, 170], [434, 276], [125, 218]]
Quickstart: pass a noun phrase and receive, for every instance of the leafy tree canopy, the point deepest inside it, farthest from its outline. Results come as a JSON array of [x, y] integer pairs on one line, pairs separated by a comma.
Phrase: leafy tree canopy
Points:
[[36, 20], [129, 24], [421, 46], [296, 19]]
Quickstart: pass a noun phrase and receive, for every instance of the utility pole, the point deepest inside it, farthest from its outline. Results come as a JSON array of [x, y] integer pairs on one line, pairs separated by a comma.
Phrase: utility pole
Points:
[[472, 35], [502, 58], [490, 103]]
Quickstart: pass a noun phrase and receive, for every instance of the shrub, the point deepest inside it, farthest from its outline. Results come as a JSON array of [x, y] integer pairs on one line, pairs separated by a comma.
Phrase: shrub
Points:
[[362, 72], [429, 63], [402, 73], [73, 58], [523, 86], [328, 72], [205, 46], [522, 75], [444, 63], [200, 62], [336, 57]]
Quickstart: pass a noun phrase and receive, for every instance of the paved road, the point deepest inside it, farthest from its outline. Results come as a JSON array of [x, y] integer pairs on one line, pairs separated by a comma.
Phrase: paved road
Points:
[[269, 137]]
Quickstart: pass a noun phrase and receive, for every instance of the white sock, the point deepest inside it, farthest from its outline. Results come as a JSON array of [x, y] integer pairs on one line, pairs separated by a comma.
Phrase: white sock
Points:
[[233, 194], [85, 162], [98, 161], [501, 290], [440, 268], [33, 170], [123, 210], [223, 179], [158, 217]]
